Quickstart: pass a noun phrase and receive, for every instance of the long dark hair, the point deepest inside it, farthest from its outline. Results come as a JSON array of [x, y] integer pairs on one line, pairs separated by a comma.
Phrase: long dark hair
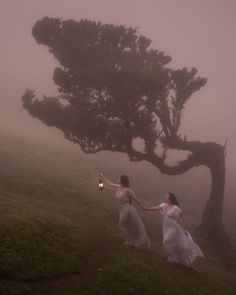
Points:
[[173, 199], [124, 180]]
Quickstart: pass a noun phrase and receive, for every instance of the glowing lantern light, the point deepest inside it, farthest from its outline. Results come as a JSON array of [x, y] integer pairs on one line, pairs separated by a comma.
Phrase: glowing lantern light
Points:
[[100, 185]]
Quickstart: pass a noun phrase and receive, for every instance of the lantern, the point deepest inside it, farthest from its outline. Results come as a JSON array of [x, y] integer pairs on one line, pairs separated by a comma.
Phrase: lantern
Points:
[[100, 185]]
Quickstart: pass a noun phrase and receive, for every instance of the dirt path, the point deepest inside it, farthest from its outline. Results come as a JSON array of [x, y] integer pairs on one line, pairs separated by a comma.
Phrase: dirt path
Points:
[[98, 249]]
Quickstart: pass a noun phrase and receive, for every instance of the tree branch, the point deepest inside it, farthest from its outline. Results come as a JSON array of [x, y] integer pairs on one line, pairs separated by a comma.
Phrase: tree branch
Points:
[[180, 168]]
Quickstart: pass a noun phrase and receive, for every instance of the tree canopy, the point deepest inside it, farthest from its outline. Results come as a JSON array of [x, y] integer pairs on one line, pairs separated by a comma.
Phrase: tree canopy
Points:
[[113, 88]]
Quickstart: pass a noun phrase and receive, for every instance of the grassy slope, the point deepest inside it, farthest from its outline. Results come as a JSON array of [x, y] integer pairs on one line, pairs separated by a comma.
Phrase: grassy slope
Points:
[[44, 235]]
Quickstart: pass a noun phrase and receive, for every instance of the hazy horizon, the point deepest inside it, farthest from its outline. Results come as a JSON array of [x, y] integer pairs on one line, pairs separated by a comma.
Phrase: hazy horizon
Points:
[[194, 33]]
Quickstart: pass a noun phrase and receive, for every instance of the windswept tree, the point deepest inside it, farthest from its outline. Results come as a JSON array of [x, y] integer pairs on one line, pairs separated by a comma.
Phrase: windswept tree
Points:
[[114, 89]]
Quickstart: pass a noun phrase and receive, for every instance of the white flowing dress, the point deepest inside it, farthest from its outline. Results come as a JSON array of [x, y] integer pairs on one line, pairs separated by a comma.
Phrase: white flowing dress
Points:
[[178, 244], [130, 223]]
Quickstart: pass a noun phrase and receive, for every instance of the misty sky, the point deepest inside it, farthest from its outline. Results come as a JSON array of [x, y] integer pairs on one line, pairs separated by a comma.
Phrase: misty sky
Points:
[[199, 33]]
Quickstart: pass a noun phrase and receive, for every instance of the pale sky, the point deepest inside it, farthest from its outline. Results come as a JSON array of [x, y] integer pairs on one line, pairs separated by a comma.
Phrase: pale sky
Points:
[[199, 33]]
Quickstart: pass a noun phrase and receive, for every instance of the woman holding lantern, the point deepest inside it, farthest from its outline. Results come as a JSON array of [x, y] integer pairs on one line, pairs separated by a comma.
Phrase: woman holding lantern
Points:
[[130, 223]]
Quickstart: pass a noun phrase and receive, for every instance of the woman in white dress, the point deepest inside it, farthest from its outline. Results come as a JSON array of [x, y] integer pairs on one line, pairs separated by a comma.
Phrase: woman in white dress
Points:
[[130, 223], [178, 243]]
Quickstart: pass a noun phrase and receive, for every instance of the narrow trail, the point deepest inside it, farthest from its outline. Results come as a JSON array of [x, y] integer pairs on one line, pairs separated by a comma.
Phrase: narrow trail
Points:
[[98, 245]]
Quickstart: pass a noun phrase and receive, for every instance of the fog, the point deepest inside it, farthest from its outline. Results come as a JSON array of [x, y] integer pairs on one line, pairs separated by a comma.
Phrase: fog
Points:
[[193, 33]]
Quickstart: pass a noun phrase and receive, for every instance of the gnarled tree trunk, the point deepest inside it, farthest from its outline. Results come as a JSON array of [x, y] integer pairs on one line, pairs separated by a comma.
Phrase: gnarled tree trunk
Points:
[[212, 217]]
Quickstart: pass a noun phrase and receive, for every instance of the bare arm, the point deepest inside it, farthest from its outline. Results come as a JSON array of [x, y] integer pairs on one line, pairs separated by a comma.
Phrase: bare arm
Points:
[[108, 181], [153, 208], [140, 203], [137, 201]]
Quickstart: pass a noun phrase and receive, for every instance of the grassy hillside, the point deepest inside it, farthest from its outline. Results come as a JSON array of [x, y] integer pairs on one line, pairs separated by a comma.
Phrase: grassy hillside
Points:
[[59, 234]]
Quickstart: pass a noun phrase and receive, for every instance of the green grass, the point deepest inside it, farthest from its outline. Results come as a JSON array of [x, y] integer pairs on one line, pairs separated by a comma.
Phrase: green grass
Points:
[[48, 235]]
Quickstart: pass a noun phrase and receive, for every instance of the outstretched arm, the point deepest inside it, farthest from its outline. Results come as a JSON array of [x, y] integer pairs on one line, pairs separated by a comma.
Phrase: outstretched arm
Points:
[[153, 208], [138, 202], [108, 181]]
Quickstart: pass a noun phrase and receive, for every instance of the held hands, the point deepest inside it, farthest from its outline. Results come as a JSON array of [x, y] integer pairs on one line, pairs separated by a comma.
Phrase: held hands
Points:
[[145, 208]]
